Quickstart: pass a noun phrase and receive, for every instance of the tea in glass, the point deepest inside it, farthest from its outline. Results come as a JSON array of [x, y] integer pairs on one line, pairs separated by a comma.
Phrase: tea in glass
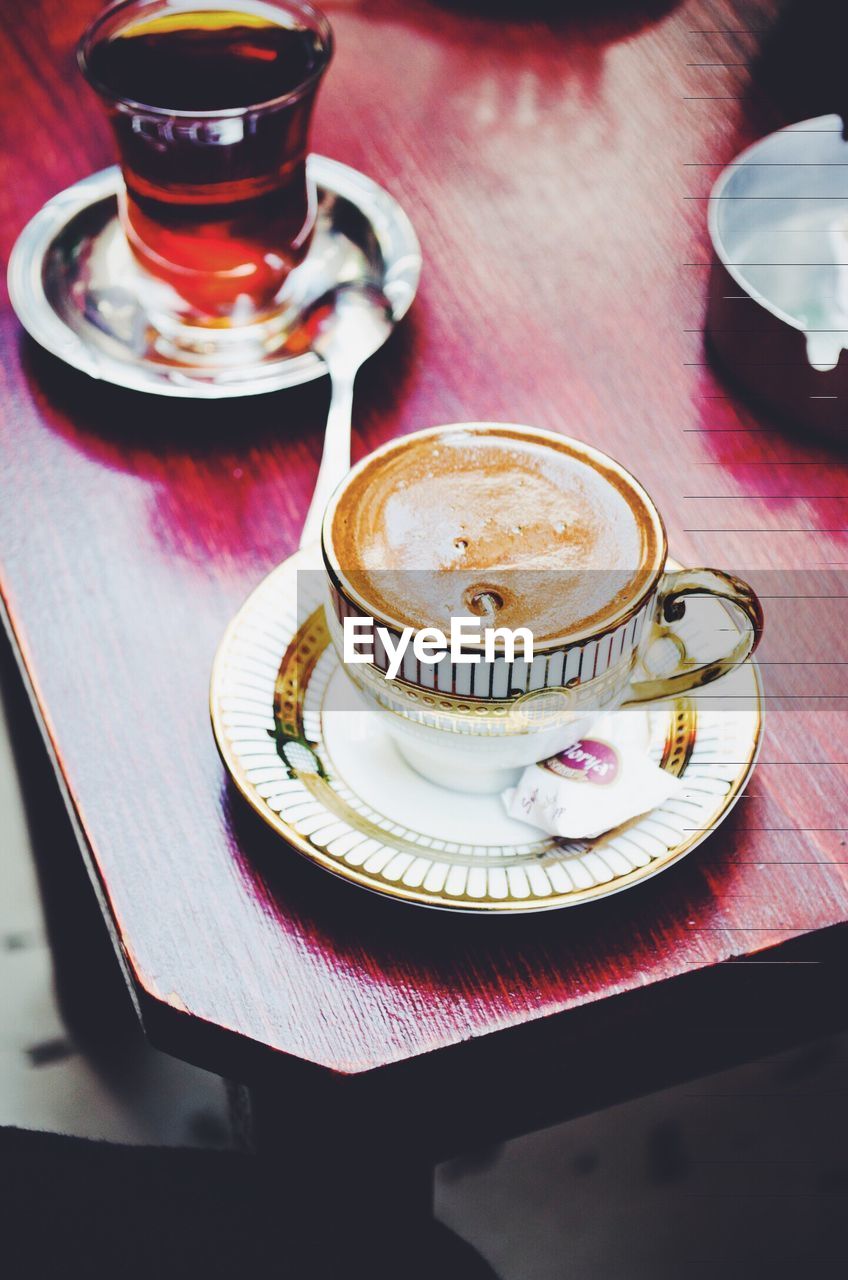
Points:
[[210, 106]]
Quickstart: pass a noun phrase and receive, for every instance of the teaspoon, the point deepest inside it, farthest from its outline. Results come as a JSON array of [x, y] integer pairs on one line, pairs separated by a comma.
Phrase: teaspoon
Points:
[[345, 327]]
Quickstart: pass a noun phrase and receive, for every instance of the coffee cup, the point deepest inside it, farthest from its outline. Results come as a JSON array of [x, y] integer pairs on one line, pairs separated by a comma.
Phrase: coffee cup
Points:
[[500, 530]]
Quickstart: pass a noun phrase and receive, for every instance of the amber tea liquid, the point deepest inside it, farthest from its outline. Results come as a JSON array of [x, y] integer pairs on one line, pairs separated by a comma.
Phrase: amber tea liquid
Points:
[[211, 110]]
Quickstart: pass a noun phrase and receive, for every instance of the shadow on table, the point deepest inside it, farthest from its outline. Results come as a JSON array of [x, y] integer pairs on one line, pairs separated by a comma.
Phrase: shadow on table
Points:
[[801, 62], [772, 459], [558, 48], [133, 431], [625, 17], [568, 948]]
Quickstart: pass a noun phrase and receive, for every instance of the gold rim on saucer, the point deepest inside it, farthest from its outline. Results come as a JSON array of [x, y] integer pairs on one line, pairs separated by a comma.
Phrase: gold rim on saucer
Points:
[[325, 775]]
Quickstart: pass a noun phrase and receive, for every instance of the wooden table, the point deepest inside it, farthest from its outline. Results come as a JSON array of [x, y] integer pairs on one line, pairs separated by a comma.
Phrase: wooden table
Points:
[[556, 172]]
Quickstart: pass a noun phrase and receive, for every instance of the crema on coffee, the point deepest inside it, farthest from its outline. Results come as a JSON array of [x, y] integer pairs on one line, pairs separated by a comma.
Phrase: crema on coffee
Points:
[[523, 528]]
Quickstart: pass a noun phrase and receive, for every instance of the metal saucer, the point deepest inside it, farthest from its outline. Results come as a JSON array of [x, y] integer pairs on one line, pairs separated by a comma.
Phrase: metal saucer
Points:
[[76, 289]]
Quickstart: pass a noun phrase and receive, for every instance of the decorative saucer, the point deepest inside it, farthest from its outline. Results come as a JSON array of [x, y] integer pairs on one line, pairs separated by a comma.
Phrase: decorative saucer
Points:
[[78, 291], [322, 771]]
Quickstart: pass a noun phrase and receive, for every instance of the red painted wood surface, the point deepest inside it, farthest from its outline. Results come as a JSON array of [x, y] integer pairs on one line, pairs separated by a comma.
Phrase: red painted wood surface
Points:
[[556, 173]]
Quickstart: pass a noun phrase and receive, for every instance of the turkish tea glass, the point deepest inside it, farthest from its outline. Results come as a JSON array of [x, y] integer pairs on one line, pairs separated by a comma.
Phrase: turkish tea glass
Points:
[[210, 104]]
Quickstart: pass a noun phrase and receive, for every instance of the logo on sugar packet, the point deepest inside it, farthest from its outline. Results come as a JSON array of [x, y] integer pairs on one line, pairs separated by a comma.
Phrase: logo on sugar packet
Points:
[[588, 760]]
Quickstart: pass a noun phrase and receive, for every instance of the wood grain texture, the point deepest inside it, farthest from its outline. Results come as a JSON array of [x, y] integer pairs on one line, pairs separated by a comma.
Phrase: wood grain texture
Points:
[[556, 173]]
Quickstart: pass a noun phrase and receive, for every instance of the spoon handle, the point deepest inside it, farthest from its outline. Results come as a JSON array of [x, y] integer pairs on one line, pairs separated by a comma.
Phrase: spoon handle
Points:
[[335, 460]]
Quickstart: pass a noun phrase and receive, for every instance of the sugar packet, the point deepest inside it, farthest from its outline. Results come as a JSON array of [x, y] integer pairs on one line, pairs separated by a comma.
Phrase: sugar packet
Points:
[[604, 779]]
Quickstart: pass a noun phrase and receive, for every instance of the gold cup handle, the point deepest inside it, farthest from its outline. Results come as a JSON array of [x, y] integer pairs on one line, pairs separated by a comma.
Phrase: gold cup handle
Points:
[[671, 605]]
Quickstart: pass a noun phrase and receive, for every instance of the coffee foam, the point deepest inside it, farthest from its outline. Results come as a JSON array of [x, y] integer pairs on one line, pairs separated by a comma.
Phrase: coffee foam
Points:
[[470, 521]]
